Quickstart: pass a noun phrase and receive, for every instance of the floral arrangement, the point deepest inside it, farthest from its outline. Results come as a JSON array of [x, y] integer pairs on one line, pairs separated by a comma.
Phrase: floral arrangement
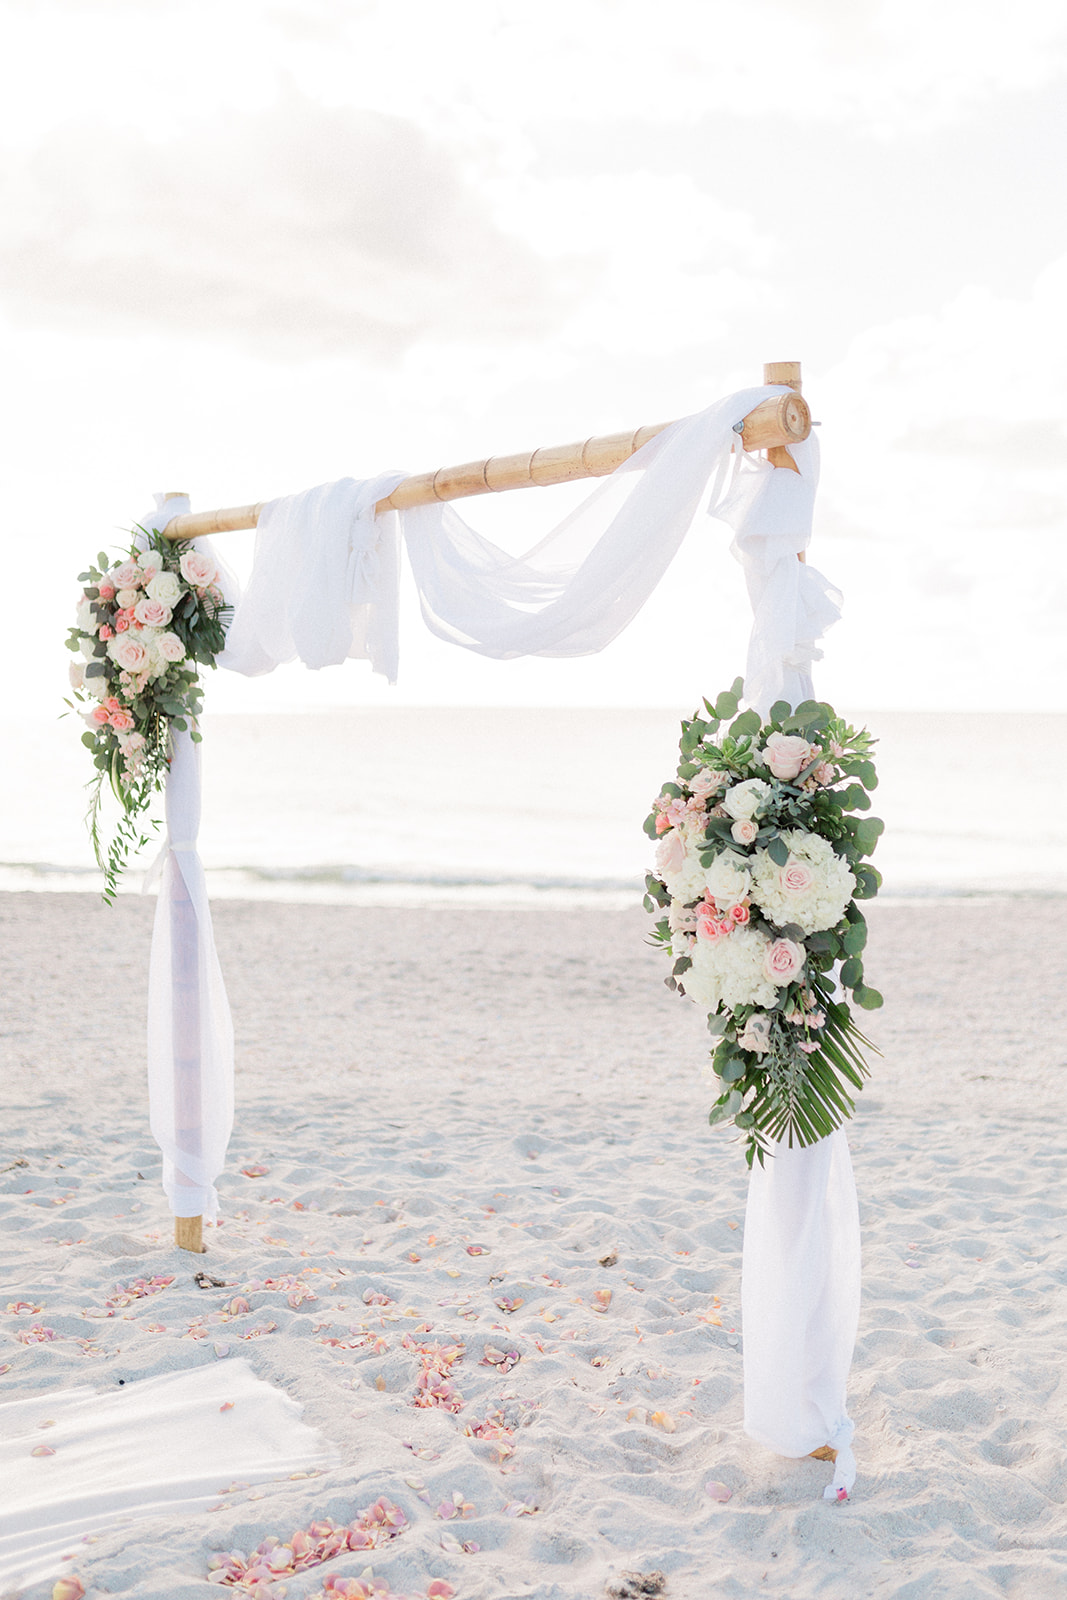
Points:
[[144, 626], [759, 867]]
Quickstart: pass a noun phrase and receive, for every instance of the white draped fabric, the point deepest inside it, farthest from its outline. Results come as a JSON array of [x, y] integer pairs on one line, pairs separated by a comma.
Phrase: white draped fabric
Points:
[[157, 1447], [190, 1034], [325, 587]]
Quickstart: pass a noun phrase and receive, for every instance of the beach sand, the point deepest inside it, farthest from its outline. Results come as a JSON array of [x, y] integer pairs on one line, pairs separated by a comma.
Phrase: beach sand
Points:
[[418, 1082]]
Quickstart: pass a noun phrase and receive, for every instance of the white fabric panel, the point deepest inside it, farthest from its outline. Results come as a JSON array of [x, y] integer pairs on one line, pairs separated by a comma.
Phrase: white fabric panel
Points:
[[190, 1034], [580, 585], [770, 510], [157, 1447], [325, 582], [800, 1301]]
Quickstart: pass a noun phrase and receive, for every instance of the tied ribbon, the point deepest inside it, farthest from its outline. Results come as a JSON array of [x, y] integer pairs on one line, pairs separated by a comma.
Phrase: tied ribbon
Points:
[[155, 868]]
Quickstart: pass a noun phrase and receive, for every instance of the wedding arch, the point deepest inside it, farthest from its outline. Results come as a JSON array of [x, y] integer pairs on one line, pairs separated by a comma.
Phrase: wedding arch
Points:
[[325, 587]]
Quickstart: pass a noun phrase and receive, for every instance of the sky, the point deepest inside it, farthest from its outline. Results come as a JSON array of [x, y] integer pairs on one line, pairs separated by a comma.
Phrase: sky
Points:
[[250, 247]]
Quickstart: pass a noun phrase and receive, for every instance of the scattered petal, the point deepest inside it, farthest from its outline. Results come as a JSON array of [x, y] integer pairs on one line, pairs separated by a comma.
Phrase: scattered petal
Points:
[[42, 1450], [255, 1170], [601, 1299], [69, 1588], [718, 1491], [664, 1420], [477, 1249], [227, 1405]]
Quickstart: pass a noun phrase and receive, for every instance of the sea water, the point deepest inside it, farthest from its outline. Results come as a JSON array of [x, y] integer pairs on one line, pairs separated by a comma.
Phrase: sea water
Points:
[[489, 805]]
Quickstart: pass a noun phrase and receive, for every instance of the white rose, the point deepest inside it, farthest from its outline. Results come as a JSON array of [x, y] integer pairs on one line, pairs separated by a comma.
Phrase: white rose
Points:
[[86, 646], [76, 673], [727, 880], [757, 1034], [98, 687], [745, 799], [125, 598], [165, 586], [85, 620]]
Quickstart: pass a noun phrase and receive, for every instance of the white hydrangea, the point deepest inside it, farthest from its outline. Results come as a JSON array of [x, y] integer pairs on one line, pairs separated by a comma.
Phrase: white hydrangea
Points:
[[678, 860], [729, 972], [812, 889]]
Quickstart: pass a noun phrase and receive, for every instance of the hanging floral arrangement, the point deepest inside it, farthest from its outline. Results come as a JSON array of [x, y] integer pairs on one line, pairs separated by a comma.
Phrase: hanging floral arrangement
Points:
[[144, 627], [759, 870]]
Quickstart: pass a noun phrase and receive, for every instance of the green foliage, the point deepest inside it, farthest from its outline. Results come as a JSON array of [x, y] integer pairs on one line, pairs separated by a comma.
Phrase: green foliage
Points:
[[801, 1086]]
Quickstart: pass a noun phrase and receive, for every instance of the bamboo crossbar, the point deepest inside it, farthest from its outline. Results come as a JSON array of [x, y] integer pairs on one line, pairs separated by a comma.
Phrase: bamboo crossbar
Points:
[[774, 425]]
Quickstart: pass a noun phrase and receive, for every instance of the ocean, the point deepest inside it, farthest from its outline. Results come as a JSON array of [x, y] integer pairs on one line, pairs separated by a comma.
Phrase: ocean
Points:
[[494, 806]]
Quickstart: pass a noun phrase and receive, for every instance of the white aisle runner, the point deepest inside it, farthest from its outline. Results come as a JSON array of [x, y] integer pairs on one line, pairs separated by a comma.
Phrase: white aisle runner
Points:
[[159, 1446]]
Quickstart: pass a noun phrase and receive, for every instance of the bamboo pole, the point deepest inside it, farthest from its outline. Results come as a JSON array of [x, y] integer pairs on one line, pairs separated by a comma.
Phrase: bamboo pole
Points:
[[783, 419]]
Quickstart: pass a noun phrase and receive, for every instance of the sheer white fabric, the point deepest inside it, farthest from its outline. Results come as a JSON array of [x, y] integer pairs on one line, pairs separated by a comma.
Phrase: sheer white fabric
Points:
[[800, 1301], [190, 1035], [325, 582], [770, 511], [157, 1447]]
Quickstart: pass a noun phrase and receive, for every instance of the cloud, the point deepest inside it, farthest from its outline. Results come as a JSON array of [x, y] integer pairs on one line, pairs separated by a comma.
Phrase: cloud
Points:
[[305, 231]]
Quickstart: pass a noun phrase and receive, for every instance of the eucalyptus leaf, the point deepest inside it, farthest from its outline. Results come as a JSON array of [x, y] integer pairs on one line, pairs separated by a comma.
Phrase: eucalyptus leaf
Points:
[[778, 851]]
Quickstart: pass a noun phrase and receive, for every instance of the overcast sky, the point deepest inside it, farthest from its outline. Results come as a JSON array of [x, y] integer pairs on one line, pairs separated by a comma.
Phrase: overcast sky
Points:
[[248, 247]]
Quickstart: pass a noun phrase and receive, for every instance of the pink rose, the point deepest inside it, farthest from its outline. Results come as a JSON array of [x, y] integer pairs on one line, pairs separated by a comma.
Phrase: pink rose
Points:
[[783, 960], [706, 783], [708, 928], [745, 831], [106, 632], [740, 914], [662, 822], [132, 743], [113, 703], [128, 652], [670, 853], [198, 569], [98, 717], [152, 613], [107, 591], [824, 773], [796, 877], [128, 576], [121, 721], [787, 754], [170, 647], [122, 620]]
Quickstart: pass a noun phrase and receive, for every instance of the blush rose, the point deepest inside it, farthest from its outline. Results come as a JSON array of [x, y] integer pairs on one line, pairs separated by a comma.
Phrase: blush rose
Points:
[[787, 755], [783, 961]]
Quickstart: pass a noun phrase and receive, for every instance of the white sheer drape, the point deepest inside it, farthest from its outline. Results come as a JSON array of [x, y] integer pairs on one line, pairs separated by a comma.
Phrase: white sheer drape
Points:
[[190, 1034], [325, 585]]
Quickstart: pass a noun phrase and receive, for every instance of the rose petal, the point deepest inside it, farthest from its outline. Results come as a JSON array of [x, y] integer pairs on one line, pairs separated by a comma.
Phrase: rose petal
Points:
[[718, 1491]]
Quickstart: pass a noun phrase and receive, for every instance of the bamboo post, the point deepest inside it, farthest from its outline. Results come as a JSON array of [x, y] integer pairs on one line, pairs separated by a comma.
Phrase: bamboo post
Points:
[[783, 419]]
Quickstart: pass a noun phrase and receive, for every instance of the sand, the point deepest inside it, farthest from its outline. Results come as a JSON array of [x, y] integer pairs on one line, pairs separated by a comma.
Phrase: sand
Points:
[[422, 1082]]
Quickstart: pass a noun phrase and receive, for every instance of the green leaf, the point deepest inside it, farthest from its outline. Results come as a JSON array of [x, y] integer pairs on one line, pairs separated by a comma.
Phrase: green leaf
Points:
[[744, 1119], [780, 710], [726, 706], [747, 723], [725, 1108], [852, 972], [196, 737], [102, 562], [869, 999], [778, 851], [89, 740], [854, 938], [868, 830], [734, 1069]]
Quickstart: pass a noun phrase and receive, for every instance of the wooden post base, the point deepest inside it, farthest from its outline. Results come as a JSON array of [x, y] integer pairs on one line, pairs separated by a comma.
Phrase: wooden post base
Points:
[[189, 1234]]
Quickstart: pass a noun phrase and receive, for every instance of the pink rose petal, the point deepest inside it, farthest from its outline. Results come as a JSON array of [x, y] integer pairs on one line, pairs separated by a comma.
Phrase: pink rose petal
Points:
[[718, 1491]]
